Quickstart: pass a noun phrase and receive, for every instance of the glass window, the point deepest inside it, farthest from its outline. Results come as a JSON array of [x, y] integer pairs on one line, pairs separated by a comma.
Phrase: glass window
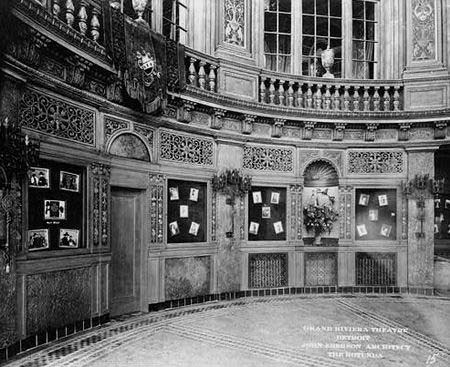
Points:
[[175, 20]]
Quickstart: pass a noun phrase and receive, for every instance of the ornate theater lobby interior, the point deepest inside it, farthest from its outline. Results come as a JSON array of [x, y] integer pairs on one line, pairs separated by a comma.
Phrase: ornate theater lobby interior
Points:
[[295, 330]]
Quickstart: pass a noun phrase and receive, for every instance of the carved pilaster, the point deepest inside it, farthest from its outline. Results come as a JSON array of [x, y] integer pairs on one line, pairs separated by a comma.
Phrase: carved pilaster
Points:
[[213, 216], [370, 132], [247, 124], [308, 130], [100, 198], [440, 129], [338, 132], [277, 127], [296, 212], [403, 133], [184, 112], [345, 212], [423, 30], [156, 204], [217, 118]]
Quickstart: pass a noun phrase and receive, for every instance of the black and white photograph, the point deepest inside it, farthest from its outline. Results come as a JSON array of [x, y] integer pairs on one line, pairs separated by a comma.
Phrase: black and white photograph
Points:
[[69, 181], [265, 212], [373, 215], [54, 209], [184, 211], [173, 228], [39, 178], [382, 200], [193, 194], [253, 228], [362, 230], [257, 197], [278, 227], [193, 229], [173, 192], [68, 238], [37, 239], [275, 197], [364, 199], [385, 230]]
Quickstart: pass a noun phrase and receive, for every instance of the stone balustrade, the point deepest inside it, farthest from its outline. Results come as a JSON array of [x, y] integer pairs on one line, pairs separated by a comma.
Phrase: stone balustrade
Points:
[[84, 16], [201, 71], [333, 95]]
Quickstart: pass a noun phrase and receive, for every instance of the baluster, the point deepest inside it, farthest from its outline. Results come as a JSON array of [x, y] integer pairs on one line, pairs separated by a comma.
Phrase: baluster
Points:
[[346, 98], [82, 18], [396, 98], [70, 8], [376, 99], [281, 93], [366, 99], [262, 91], [271, 91], [356, 99], [309, 99], [202, 75], [327, 97], [290, 94], [95, 24], [318, 98], [212, 78], [336, 99], [386, 99], [192, 72], [56, 8], [300, 103]]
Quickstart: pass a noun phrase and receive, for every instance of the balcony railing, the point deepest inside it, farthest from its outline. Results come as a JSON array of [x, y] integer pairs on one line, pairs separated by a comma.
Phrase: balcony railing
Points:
[[201, 71]]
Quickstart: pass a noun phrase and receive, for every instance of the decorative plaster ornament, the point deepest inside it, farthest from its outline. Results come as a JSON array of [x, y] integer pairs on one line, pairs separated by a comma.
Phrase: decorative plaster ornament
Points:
[[139, 7], [327, 57]]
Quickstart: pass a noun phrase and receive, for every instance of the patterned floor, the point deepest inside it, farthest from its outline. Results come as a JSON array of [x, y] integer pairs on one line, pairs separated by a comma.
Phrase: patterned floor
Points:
[[280, 331]]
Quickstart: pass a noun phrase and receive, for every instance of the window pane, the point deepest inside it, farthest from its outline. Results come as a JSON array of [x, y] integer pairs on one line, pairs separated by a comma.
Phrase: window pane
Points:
[[284, 5], [284, 44], [308, 6], [335, 27], [359, 70], [270, 5], [358, 29], [271, 62], [358, 9], [284, 64], [322, 7], [308, 46], [370, 47], [308, 67], [358, 50], [308, 25], [370, 11], [321, 44], [285, 23], [270, 22], [335, 8], [270, 43], [337, 68], [370, 31], [336, 45], [321, 26]]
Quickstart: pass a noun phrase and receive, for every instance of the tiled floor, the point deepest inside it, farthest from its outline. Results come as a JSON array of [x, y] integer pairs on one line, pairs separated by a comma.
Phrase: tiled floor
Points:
[[270, 331]]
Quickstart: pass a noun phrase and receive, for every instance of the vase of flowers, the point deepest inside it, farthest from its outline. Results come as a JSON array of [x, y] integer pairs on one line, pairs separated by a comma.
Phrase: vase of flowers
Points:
[[319, 219]]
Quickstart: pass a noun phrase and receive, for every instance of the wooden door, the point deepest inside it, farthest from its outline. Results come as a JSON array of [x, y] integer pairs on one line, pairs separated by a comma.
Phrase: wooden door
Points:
[[126, 242]]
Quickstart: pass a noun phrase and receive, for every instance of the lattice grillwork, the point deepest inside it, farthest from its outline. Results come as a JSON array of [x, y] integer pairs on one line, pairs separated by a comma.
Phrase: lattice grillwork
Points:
[[268, 270], [320, 269], [376, 269]]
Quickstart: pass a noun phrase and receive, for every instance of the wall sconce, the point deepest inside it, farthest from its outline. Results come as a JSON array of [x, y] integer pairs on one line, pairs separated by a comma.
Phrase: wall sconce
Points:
[[420, 188], [17, 154]]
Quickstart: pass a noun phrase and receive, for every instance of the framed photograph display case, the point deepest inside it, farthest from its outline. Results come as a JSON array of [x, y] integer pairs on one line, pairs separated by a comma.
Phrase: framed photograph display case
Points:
[[186, 211], [375, 214], [57, 208], [267, 214]]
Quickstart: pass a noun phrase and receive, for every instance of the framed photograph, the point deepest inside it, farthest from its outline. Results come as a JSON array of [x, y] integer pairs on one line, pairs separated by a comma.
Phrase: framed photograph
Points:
[[437, 203], [37, 239], [173, 192], [382, 200], [254, 227], [39, 178], [373, 215], [173, 229], [447, 204], [257, 197], [278, 227], [193, 194], [69, 181], [184, 211], [54, 209], [68, 238], [362, 230], [193, 230], [364, 199], [275, 197], [385, 230], [265, 212]]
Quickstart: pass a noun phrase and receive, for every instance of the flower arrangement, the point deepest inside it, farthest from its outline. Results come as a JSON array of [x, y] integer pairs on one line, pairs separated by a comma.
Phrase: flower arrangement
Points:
[[319, 218], [232, 183]]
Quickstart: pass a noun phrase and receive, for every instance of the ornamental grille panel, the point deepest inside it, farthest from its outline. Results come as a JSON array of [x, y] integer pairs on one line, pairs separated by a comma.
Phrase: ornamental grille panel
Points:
[[320, 269], [376, 162], [376, 269], [186, 149], [268, 270], [56, 117], [268, 159]]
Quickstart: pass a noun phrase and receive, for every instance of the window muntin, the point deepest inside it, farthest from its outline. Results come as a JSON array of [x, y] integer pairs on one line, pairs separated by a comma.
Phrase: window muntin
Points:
[[175, 20], [277, 35]]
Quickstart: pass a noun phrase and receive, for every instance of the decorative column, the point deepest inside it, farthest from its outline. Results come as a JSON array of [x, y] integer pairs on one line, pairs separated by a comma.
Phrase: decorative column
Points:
[[156, 203], [420, 222], [100, 198], [295, 233]]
